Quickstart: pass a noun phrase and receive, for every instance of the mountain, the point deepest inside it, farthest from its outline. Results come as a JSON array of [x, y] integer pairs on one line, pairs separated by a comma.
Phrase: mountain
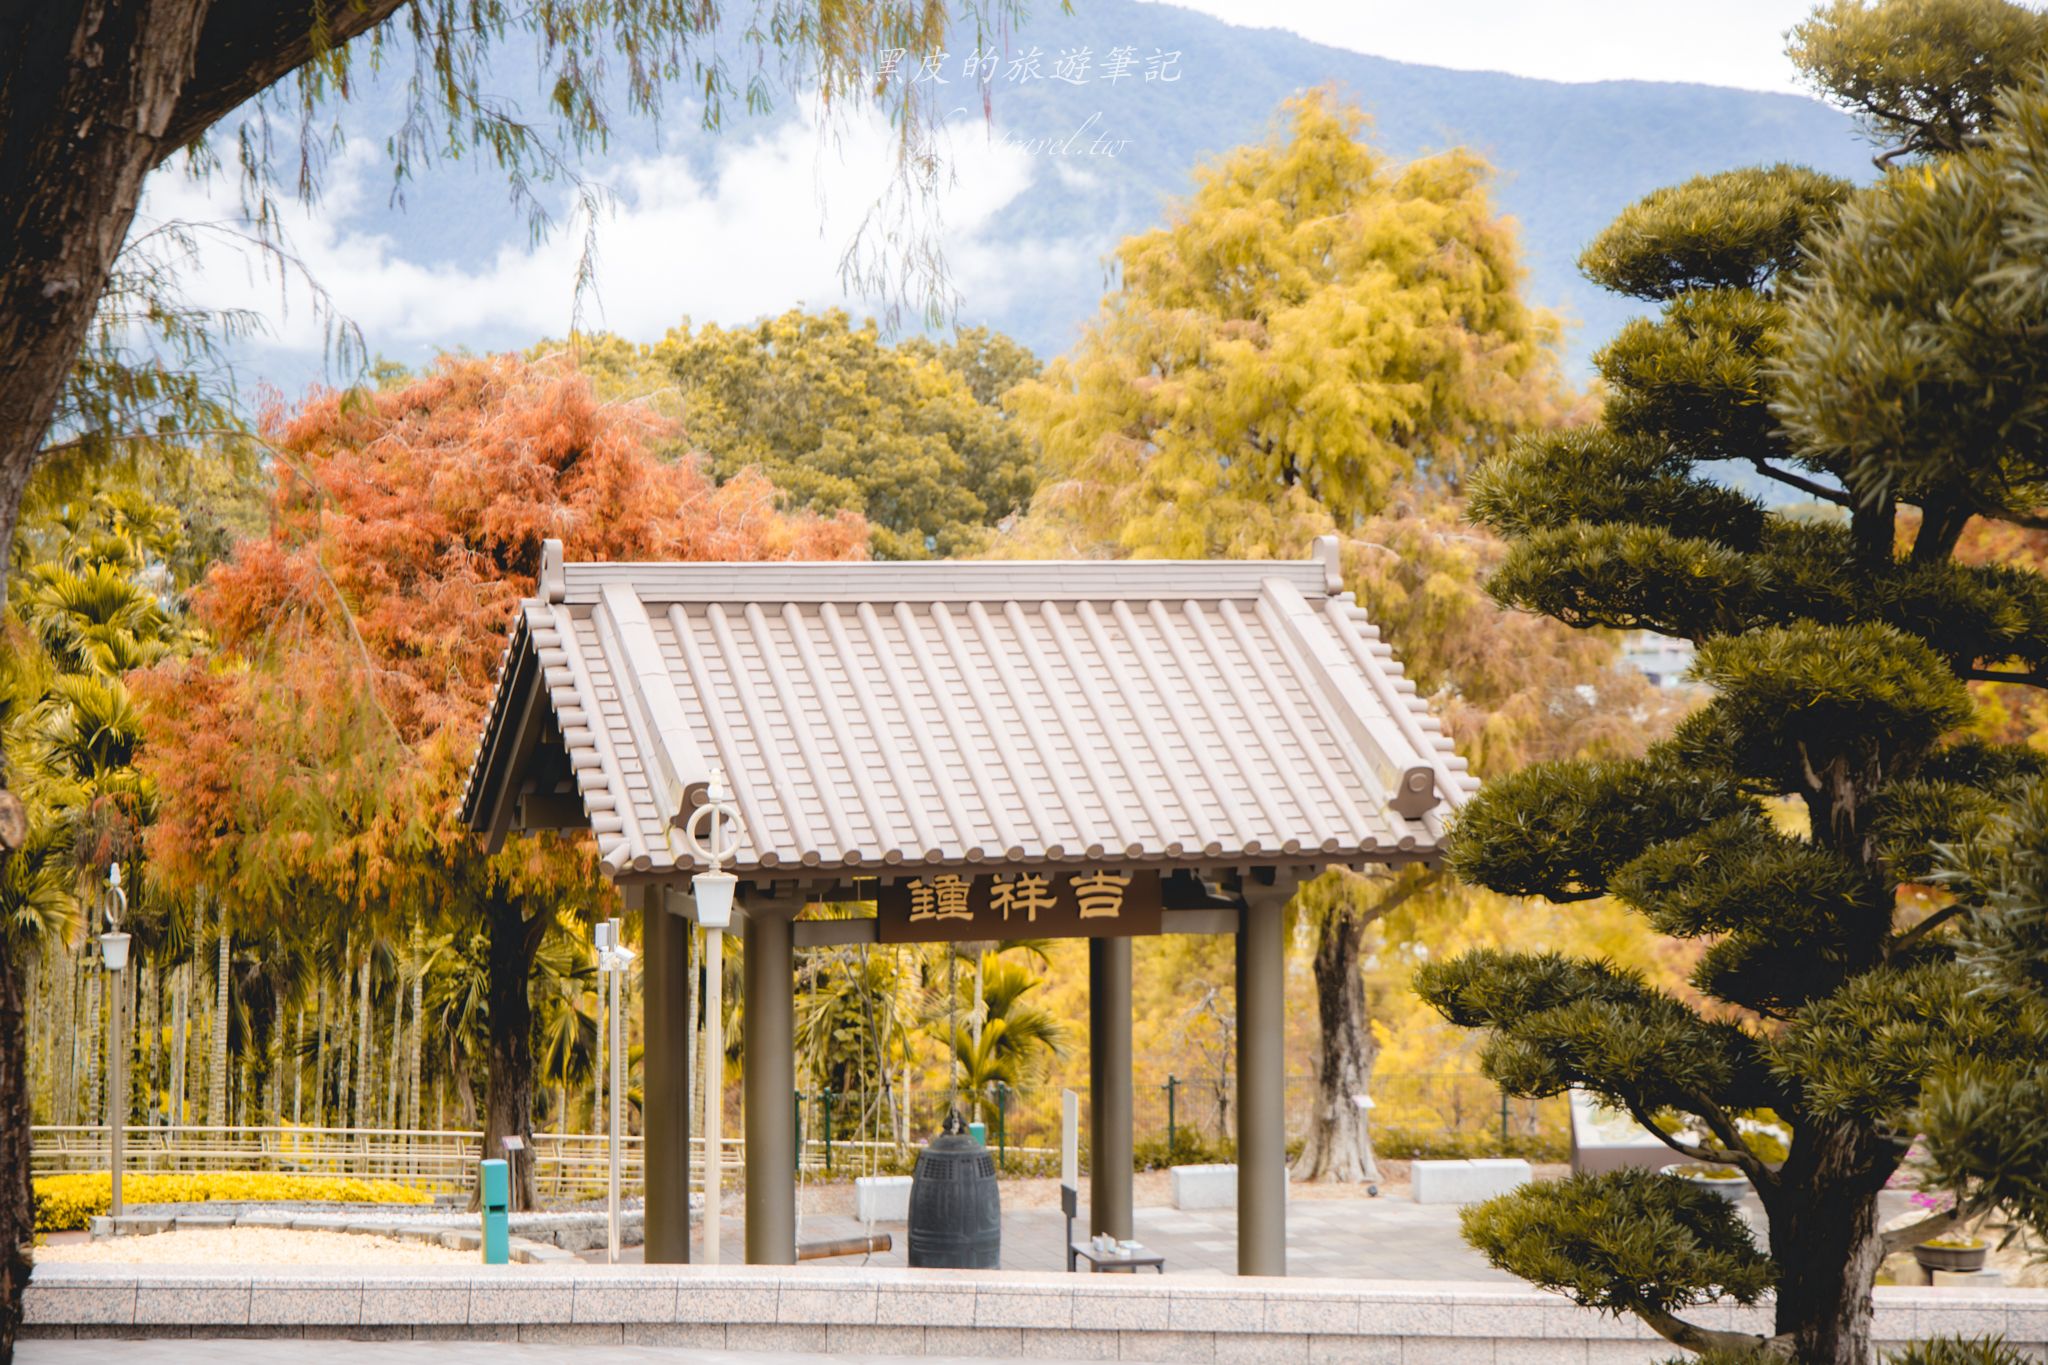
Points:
[[1106, 156], [1570, 156]]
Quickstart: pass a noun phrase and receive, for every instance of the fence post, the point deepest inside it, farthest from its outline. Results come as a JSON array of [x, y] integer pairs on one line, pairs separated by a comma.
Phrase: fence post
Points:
[[1002, 1141], [1503, 1121], [1172, 1130]]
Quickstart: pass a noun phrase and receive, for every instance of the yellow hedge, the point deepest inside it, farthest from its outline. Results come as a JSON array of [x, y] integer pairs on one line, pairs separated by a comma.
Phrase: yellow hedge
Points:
[[67, 1202]]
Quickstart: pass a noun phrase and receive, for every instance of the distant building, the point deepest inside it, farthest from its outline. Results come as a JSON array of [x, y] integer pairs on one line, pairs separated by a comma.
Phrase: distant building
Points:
[[1663, 660]]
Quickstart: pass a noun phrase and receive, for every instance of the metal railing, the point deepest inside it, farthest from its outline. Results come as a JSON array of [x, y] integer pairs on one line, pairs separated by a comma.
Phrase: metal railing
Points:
[[564, 1163]]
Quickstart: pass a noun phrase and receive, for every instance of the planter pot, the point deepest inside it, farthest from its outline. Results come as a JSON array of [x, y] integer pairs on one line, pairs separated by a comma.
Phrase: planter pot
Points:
[[1968, 1259], [1730, 1188]]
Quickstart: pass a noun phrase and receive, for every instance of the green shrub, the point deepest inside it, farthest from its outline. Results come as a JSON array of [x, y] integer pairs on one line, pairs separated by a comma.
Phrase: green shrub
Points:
[[1191, 1147], [1407, 1144], [69, 1203], [1957, 1351]]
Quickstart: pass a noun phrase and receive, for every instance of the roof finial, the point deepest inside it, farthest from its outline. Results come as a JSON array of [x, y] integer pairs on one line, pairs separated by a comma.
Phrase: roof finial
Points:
[[1326, 549], [554, 586]]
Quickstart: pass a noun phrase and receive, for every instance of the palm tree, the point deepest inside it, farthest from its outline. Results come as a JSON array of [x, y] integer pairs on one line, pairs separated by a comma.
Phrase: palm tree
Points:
[[856, 1016], [565, 1048], [1016, 1041]]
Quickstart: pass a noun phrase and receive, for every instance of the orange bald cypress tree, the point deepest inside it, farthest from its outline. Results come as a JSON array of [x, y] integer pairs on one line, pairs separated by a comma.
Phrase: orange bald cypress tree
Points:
[[358, 644]]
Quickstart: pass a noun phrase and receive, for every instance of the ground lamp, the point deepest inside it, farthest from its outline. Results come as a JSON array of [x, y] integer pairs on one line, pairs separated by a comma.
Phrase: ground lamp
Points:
[[713, 892], [114, 953], [613, 959]]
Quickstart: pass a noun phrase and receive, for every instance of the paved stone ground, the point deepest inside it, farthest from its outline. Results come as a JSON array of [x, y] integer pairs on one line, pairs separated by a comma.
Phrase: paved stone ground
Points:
[[413, 1353], [1382, 1239]]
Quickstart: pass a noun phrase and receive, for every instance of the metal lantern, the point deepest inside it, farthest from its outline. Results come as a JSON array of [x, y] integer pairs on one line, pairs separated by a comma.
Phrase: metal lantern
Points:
[[712, 889], [114, 953]]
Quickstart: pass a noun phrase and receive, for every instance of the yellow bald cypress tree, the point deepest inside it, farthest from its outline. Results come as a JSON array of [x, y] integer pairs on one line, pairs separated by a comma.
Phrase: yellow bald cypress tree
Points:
[[1315, 327]]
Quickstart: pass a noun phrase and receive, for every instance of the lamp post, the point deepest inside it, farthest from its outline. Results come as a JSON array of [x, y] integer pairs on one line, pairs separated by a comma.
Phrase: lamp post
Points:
[[114, 953], [713, 892], [613, 958]]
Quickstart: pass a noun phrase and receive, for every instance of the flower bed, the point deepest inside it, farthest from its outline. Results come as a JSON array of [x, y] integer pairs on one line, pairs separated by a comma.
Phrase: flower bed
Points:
[[67, 1203]]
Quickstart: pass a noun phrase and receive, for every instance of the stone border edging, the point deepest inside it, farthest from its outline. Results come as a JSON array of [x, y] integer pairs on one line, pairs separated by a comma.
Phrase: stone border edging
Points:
[[951, 1314], [535, 1236]]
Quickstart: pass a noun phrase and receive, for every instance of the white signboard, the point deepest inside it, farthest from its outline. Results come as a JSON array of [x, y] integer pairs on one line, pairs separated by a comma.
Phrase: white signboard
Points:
[[1070, 1139]]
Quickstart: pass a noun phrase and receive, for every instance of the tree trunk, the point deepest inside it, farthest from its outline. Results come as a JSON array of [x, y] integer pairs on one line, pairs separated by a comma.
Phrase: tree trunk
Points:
[[1824, 1237], [412, 1059], [392, 1091], [67, 1079], [17, 1200], [364, 1083], [217, 1082], [320, 1049], [181, 1027], [508, 1080], [1338, 1146], [87, 92], [94, 1039], [148, 1004], [343, 1052]]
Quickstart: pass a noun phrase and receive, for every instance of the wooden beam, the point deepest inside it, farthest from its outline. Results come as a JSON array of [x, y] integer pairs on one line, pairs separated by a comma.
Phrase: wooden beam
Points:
[[552, 810], [529, 717], [1210, 921], [831, 933]]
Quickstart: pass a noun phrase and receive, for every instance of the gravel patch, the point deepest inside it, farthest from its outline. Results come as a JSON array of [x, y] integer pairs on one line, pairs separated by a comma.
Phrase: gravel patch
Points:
[[253, 1246]]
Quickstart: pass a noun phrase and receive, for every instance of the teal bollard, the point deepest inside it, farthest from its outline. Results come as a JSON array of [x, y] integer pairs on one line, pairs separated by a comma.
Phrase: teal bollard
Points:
[[495, 1179], [979, 1132]]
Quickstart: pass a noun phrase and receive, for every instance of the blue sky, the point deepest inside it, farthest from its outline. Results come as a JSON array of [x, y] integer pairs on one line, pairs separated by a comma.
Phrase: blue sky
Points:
[[775, 206]]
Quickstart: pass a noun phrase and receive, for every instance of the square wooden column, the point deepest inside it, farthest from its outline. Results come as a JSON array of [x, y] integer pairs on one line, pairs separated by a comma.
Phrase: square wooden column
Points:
[[1109, 1086], [1262, 1083], [769, 995], [665, 1005]]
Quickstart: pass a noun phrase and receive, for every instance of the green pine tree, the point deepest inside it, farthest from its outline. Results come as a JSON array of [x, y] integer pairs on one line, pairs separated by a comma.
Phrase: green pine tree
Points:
[[1875, 352]]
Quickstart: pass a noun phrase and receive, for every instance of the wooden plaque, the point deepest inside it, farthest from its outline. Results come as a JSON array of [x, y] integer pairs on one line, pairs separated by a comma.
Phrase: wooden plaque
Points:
[[945, 907]]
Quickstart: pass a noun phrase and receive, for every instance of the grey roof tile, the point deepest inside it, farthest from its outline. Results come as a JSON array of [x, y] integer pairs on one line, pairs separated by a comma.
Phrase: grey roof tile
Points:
[[878, 714]]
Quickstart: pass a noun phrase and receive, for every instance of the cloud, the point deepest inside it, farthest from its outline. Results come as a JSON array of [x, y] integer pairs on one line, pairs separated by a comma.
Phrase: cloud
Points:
[[763, 230]]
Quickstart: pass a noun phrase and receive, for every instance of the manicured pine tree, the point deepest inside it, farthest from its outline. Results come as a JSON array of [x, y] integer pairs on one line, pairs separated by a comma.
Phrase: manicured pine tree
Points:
[[1871, 351]]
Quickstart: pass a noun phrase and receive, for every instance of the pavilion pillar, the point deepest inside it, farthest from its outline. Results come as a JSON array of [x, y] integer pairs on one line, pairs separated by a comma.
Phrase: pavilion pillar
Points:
[[769, 1096], [1262, 1084], [665, 1074], [1109, 1086]]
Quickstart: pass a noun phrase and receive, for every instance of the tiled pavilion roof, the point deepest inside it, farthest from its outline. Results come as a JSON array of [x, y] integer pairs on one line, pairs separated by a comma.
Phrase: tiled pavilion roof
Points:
[[1001, 712]]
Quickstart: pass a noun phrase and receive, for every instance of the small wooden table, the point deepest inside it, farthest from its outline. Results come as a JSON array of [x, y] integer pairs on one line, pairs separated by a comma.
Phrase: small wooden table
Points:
[[1102, 1263]]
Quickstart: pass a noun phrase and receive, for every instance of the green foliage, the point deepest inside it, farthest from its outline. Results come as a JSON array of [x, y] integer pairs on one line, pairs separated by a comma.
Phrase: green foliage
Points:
[[1016, 1040], [1738, 229], [1561, 830], [1877, 351], [1924, 75], [1987, 1111], [1622, 1242], [1912, 363], [1984, 1350], [839, 421], [1408, 1144], [1191, 1147], [1610, 480], [1555, 1022], [1807, 698]]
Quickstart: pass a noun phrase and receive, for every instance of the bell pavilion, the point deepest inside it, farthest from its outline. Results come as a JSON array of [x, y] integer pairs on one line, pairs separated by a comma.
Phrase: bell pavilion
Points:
[[981, 750]]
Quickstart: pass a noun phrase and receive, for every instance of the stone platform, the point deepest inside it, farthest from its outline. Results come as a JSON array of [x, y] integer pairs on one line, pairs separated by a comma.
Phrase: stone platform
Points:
[[809, 1310]]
